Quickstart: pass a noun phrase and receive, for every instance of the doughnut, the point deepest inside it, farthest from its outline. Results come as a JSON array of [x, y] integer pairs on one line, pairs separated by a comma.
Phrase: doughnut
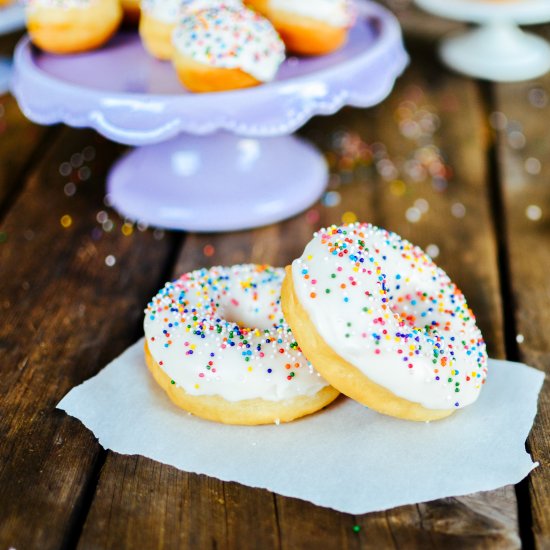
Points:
[[383, 324], [225, 49], [216, 342], [308, 27], [259, 6], [72, 26], [159, 18]]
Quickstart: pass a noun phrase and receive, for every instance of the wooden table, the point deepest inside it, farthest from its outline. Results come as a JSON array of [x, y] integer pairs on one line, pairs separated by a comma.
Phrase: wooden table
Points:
[[458, 166]]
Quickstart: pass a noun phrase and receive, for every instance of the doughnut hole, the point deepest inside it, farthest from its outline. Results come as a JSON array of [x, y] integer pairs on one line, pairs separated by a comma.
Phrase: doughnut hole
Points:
[[249, 309], [421, 309]]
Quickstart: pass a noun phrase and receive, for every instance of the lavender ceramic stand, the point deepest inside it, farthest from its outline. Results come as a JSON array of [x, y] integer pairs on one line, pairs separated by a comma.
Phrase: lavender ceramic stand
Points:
[[209, 162]]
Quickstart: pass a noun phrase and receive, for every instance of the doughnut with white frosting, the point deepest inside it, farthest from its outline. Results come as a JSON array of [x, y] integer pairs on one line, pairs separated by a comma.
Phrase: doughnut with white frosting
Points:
[[72, 26], [337, 13], [383, 324], [159, 18], [216, 341], [308, 27], [224, 49]]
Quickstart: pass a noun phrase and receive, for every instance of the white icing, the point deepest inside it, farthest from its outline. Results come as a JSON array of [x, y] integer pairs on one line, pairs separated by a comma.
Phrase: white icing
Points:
[[231, 38], [336, 13], [210, 302], [397, 309], [191, 6], [169, 11], [32, 5], [165, 11]]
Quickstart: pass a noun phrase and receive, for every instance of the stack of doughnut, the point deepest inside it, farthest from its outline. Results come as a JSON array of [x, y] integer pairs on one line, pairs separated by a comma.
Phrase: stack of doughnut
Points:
[[220, 45], [214, 45], [362, 312]]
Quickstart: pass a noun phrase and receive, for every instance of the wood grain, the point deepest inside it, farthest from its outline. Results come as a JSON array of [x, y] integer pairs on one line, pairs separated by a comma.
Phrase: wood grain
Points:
[[133, 491], [22, 142], [524, 165], [65, 313]]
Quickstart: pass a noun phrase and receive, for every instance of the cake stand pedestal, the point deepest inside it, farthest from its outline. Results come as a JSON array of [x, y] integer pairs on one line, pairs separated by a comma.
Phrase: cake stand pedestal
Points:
[[209, 162], [225, 182], [12, 18], [498, 49]]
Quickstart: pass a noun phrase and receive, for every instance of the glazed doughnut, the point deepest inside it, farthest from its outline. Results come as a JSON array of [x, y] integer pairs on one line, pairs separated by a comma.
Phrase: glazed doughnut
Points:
[[72, 26], [199, 351], [225, 49], [159, 18], [308, 27], [383, 324]]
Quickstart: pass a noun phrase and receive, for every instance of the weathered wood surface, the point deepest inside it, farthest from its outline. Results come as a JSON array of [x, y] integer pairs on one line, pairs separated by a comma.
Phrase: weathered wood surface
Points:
[[524, 162], [65, 313], [21, 142], [140, 502]]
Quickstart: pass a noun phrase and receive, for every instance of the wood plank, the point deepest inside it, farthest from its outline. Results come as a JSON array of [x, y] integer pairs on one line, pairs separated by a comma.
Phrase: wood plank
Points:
[[357, 189], [524, 161], [20, 138], [65, 313], [22, 143]]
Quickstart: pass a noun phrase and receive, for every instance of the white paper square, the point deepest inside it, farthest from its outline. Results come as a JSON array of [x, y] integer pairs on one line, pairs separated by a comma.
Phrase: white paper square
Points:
[[345, 457]]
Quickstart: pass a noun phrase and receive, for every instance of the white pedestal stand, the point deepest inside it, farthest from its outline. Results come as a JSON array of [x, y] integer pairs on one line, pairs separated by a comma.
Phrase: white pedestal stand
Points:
[[498, 49]]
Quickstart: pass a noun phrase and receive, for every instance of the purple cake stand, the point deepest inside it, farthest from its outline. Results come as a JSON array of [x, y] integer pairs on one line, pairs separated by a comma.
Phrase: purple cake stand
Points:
[[209, 162]]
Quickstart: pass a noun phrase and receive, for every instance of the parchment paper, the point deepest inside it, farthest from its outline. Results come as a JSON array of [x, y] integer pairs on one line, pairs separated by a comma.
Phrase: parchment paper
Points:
[[346, 457]]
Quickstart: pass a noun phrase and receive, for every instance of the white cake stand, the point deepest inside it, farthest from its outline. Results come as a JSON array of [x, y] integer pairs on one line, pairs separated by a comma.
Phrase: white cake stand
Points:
[[12, 18], [498, 49]]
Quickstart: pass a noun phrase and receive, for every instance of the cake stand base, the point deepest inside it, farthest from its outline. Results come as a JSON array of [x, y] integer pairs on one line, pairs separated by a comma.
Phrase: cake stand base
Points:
[[219, 182], [499, 51], [5, 74]]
